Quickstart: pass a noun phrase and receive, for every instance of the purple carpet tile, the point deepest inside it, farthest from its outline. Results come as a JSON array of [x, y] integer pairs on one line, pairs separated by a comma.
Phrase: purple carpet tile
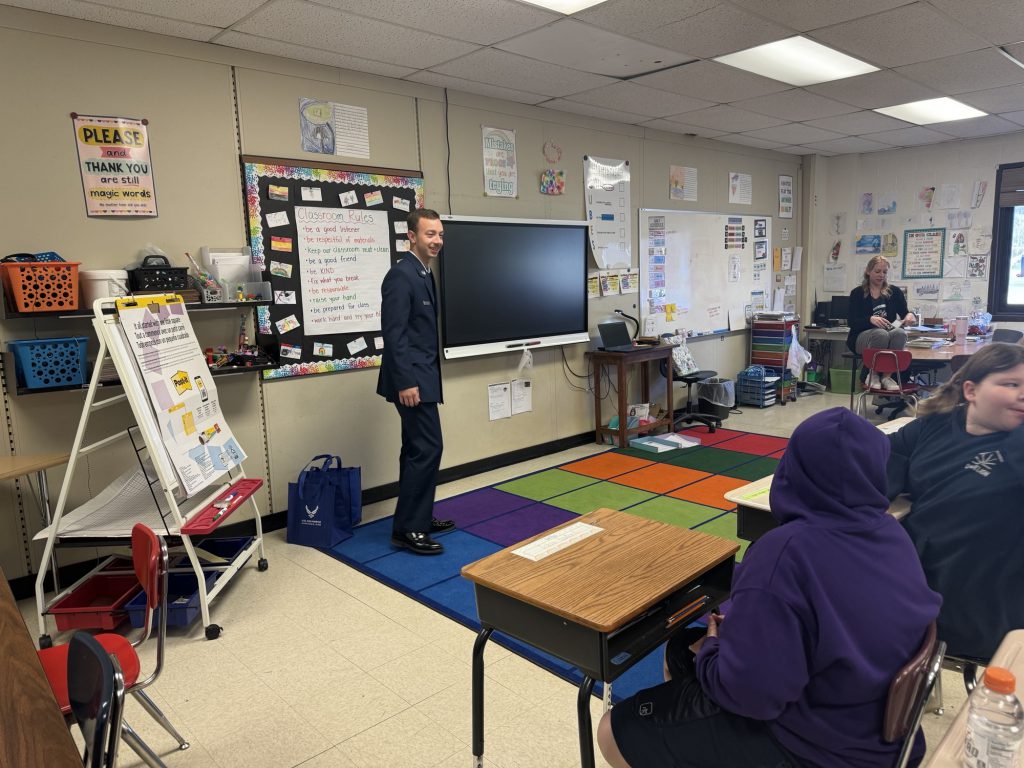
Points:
[[513, 527], [476, 506]]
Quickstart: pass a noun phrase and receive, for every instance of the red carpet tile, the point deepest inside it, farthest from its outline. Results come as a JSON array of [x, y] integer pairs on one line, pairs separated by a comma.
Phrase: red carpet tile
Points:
[[606, 465], [661, 478], [777, 454], [761, 445], [710, 438], [710, 492]]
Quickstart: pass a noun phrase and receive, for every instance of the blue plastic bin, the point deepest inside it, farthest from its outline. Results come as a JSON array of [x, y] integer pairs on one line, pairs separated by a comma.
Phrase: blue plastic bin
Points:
[[229, 548], [182, 597], [48, 363]]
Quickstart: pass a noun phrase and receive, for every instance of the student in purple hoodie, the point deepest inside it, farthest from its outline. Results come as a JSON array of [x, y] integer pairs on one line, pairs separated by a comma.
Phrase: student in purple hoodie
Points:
[[825, 610]]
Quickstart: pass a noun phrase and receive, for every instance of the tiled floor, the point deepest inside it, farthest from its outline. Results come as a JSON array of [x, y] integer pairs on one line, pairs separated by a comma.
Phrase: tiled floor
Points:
[[322, 667]]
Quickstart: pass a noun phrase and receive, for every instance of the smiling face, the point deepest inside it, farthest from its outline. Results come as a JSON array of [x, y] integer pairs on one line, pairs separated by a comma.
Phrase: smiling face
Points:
[[996, 403], [426, 239]]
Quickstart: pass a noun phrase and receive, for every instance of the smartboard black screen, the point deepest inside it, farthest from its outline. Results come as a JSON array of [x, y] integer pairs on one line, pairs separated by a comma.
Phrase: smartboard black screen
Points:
[[503, 281]]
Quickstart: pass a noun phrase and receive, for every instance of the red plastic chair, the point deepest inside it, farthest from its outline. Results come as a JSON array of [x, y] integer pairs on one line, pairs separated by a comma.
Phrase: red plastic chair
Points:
[[909, 693], [892, 363], [149, 559]]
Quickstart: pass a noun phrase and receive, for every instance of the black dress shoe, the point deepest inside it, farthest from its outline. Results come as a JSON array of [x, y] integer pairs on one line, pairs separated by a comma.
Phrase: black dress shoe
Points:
[[420, 543], [441, 526]]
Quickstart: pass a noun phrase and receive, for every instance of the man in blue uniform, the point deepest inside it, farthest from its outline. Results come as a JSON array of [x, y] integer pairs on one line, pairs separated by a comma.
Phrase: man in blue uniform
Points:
[[410, 377]]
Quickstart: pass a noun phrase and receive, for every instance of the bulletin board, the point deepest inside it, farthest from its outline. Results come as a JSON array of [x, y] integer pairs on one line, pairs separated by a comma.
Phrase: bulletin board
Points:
[[325, 235], [696, 267]]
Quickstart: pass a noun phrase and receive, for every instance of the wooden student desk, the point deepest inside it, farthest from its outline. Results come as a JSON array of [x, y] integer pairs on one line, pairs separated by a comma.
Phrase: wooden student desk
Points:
[[754, 514], [1009, 654], [621, 361], [32, 729], [601, 603]]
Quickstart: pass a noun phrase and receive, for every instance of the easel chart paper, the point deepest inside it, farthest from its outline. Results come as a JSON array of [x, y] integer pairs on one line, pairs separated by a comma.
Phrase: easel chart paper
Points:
[[181, 391]]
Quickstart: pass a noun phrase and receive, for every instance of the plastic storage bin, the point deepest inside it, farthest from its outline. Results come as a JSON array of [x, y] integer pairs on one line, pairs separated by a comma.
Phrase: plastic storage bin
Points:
[[227, 548], [102, 284], [839, 380], [41, 286], [48, 363], [756, 384], [182, 597], [98, 603]]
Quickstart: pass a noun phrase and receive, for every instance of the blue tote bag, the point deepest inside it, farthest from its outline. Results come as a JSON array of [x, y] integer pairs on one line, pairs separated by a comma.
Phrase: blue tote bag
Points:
[[324, 503]]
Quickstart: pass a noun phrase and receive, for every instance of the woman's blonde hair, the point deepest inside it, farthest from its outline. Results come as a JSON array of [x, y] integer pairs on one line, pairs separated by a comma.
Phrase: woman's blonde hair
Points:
[[865, 284], [994, 358]]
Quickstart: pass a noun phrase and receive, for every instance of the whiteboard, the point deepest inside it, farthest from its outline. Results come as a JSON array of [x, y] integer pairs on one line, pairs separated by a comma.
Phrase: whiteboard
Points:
[[696, 267]]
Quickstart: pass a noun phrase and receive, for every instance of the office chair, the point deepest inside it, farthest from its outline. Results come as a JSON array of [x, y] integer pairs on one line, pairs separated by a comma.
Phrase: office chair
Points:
[[149, 558], [1007, 335], [893, 363], [96, 698], [909, 693], [688, 415]]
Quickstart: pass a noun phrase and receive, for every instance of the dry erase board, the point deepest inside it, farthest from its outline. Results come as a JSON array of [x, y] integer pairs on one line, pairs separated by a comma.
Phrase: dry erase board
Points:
[[696, 267], [325, 235]]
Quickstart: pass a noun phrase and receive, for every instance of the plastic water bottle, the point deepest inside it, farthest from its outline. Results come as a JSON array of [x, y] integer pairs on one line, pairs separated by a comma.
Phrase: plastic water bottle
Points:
[[995, 722]]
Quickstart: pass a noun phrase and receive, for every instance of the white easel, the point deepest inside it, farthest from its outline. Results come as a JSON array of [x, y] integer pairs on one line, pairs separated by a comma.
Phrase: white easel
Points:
[[162, 512]]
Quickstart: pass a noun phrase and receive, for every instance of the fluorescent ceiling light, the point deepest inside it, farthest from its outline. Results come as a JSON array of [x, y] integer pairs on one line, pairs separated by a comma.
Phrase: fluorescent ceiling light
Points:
[[797, 61], [564, 6], [932, 111]]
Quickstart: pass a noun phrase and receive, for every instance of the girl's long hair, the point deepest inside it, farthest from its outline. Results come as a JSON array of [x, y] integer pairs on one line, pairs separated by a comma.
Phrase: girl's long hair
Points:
[[865, 284]]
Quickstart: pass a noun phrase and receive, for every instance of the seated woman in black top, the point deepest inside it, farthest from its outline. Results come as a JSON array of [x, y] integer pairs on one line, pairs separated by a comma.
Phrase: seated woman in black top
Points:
[[874, 307]]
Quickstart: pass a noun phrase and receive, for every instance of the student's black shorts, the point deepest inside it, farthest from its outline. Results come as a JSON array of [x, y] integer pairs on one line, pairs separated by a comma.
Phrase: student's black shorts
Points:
[[675, 725]]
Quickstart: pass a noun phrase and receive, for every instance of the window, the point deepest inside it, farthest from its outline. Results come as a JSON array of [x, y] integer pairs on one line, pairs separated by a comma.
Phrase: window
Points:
[[1006, 279]]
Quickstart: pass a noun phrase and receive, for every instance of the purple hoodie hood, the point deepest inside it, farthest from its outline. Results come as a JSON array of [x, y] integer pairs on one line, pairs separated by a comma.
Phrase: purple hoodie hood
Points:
[[833, 473]]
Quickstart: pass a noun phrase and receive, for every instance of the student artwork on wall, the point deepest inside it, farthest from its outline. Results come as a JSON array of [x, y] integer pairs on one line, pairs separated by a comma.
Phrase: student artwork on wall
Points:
[[326, 235], [923, 252]]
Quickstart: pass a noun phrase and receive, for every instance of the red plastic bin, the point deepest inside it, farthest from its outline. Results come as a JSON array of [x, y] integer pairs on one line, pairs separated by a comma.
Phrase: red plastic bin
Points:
[[97, 603]]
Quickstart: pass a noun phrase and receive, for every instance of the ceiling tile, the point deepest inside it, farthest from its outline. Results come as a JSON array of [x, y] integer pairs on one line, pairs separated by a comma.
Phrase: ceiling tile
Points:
[[858, 122], [470, 86], [748, 141], [587, 48], [562, 105], [990, 125], [1016, 51], [716, 31], [684, 128], [303, 53], [729, 119], [903, 35], [511, 71], [811, 14], [711, 80], [876, 89], [1017, 117], [972, 71], [630, 97], [304, 23], [629, 17], [998, 21], [1009, 98], [849, 145], [794, 133], [478, 21], [908, 137], [795, 104], [119, 18], [223, 13], [804, 151]]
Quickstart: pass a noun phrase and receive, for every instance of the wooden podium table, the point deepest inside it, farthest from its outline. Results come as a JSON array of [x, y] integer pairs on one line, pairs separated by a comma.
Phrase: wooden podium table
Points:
[[621, 361], [601, 603], [32, 729]]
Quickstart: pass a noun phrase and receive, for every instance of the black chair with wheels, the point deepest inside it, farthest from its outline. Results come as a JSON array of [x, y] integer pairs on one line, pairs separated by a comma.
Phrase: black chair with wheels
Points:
[[909, 693], [96, 694], [687, 415]]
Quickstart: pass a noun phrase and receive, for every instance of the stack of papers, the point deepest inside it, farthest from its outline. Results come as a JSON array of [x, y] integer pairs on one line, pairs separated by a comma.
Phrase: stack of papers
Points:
[[661, 443], [927, 342]]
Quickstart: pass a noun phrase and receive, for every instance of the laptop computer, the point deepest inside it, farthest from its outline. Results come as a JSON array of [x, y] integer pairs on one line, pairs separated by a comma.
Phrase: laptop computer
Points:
[[615, 337]]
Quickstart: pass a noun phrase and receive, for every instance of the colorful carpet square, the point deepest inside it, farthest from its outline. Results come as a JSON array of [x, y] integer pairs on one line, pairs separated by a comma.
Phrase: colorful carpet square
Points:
[[681, 487]]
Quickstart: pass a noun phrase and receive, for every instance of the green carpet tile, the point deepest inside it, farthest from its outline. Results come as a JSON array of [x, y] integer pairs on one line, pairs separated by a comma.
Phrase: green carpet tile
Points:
[[753, 470], [544, 485], [602, 494], [685, 514], [715, 460], [725, 526]]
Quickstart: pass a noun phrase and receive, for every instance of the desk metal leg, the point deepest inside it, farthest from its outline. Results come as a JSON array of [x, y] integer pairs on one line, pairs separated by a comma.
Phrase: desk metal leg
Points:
[[44, 499], [853, 379], [478, 696], [585, 726]]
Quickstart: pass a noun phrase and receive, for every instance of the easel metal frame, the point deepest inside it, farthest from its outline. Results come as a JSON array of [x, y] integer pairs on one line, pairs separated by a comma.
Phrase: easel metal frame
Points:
[[106, 324]]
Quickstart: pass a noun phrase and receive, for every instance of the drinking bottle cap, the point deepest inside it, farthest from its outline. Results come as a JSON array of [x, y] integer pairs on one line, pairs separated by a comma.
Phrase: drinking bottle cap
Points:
[[1000, 680]]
